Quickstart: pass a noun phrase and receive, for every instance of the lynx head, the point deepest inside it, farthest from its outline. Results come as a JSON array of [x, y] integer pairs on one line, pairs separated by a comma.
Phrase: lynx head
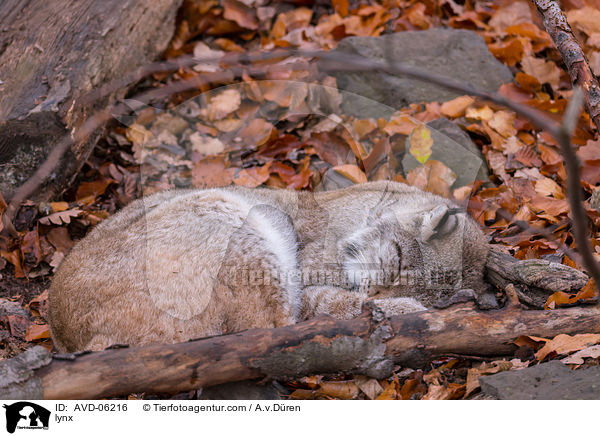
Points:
[[427, 250]]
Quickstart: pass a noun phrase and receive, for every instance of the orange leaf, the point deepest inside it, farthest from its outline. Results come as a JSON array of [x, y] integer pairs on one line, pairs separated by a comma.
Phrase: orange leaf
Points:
[[344, 390], [390, 392], [587, 293], [563, 344], [351, 172], [36, 332], [456, 108], [253, 176], [212, 172], [95, 188]]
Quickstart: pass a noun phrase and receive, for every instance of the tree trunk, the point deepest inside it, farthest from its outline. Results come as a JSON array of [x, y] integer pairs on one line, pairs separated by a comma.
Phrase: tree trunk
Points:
[[51, 54]]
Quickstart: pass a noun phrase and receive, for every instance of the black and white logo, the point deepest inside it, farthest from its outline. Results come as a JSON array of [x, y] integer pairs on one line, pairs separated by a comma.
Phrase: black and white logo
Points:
[[26, 415]]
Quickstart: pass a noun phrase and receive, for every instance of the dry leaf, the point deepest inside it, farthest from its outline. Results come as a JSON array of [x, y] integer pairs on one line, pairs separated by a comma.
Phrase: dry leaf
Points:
[[586, 19], [371, 387], [563, 344], [456, 108], [138, 135], [223, 104], [253, 176], [206, 145], [93, 189], [15, 258], [36, 332], [364, 127], [239, 13], [390, 392], [351, 172], [577, 358], [60, 218], [433, 177], [503, 122], [212, 172], [203, 51], [586, 294], [420, 143], [344, 390], [548, 187], [483, 113], [257, 133], [400, 124], [514, 13], [544, 71]]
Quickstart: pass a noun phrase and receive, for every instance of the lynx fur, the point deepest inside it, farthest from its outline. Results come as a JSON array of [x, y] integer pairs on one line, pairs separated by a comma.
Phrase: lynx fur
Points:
[[185, 264]]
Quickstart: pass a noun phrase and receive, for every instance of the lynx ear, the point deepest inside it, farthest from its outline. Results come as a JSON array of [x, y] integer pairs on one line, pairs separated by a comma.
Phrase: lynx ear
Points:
[[438, 222]]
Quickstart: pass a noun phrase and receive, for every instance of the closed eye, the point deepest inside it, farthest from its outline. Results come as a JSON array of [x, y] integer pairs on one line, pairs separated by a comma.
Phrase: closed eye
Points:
[[399, 254]]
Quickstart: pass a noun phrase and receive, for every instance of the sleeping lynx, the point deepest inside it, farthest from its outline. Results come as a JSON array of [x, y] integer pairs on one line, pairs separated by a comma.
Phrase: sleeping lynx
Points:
[[185, 264]]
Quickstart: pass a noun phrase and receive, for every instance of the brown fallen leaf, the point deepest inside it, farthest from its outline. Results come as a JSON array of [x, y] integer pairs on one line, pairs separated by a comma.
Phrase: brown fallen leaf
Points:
[[239, 13], [544, 71], [36, 332], [95, 188], [257, 132], [420, 143], [433, 177], [453, 391], [39, 305], [549, 205], [485, 368], [390, 392], [457, 107], [587, 294], [223, 103], [369, 386], [400, 124], [212, 172], [60, 218], [253, 176], [364, 127], [563, 344], [351, 172], [18, 325], [586, 19], [578, 357], [15, 258], [503, 122], [344, 390]]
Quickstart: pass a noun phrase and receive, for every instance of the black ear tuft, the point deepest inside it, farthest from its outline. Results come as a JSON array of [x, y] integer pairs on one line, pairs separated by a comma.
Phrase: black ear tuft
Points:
[[439, 222]]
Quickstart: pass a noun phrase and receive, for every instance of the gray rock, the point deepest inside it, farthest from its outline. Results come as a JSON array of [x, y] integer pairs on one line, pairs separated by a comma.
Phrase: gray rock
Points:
[[458, 54], [547, 381], [453, 148]]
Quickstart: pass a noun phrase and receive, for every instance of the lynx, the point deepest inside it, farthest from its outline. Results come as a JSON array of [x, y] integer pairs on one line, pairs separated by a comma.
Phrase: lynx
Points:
[[186, 264]]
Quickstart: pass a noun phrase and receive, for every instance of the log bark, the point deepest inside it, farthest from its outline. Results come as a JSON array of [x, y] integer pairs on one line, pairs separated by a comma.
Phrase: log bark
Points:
[[369, 344], [51, 54], [535, 279], [572, 54]]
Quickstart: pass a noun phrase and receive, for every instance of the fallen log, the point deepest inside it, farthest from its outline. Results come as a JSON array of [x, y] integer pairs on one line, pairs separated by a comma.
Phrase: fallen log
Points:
[[369, 344], [52, 54], [535, 279]]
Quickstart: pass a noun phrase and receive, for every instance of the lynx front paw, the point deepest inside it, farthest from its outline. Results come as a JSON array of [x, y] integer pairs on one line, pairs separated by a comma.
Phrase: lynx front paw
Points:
[[398, 306]]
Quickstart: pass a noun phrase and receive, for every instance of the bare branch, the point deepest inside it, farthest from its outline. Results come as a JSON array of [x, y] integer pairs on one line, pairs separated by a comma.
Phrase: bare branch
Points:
[[572, 54]]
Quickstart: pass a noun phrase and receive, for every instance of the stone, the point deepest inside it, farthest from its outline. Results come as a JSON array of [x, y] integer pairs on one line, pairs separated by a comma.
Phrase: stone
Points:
[[453, 148], [457, 54], [547, 381]]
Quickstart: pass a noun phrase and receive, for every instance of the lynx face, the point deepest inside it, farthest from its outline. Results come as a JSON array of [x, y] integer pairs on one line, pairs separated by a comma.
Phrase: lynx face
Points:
[[423, 257]]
